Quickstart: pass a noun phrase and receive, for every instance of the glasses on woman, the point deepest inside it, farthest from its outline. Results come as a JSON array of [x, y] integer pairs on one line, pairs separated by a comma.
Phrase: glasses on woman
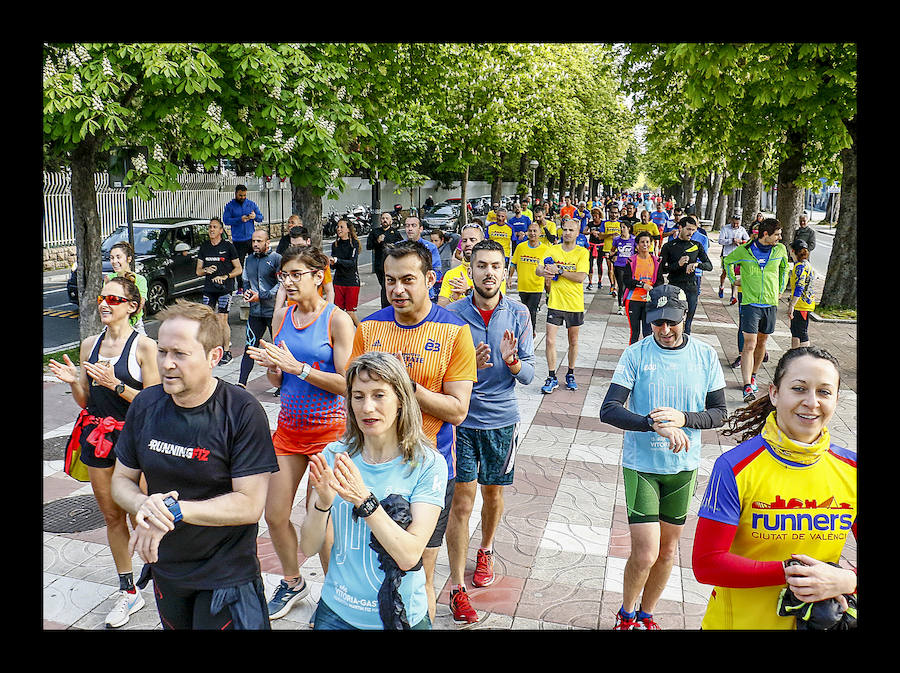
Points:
[[295, 276], [111, 299]]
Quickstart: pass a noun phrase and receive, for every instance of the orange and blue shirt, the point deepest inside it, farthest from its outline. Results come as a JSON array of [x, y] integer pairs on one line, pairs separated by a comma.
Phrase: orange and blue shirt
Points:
[[436, 350], [779, 508]]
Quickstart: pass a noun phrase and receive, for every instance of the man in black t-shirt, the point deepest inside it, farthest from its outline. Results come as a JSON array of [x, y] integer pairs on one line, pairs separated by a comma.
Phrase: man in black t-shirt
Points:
[[679, 259], [383, 235], [218, 261], [205, 449]]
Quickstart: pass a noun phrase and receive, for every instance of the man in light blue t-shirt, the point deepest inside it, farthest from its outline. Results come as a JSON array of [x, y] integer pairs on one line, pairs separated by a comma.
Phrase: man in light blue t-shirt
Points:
[[675, 388]]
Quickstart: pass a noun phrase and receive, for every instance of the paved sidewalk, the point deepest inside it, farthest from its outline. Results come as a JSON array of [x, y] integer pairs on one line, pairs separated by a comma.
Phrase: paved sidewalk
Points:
[[562, 544]]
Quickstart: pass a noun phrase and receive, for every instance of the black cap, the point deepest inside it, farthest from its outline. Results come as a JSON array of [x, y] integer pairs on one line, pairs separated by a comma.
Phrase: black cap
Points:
[[667, 302], [799, 244]]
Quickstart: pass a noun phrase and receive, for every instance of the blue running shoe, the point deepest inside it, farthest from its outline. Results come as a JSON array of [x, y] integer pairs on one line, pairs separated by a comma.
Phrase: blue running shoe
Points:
[[550, 385], [284, 598], [570, 382]]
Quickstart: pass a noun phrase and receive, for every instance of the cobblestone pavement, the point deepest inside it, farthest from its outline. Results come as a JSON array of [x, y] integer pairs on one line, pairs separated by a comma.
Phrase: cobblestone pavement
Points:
[[562, 544]]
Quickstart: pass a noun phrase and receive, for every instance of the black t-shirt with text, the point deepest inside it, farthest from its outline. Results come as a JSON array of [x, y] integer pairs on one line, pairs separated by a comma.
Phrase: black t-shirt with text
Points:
[[197, 452], [220, 256]]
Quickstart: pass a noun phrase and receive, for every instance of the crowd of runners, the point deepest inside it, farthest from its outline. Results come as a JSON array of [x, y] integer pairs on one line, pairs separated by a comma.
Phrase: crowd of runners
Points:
[[400, 417]]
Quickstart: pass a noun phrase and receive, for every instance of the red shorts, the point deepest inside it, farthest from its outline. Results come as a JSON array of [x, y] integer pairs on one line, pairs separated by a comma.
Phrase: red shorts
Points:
[[346, 297]]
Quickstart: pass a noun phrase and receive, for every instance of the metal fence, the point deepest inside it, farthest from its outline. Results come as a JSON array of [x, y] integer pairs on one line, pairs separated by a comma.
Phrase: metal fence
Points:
[[202, 196]]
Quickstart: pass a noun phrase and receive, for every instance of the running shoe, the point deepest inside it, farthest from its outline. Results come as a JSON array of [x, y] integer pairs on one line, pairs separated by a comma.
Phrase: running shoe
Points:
[[484, 569], [621, 310], [612, 292], [753, 383], [550, 385], [736, 363], [570, 382], [284, 598], [590, 287], [749, 396], [226, 358], [463, 614], [646, 624], [733, 301], [623, 624], [721, 293], [126, 605]]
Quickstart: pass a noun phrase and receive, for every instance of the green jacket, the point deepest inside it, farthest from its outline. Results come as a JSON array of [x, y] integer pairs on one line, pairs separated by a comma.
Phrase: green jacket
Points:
[[759, 285]]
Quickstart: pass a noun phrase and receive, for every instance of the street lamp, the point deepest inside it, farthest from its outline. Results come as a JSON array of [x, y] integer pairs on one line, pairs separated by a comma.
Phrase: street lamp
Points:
[[534, 164]]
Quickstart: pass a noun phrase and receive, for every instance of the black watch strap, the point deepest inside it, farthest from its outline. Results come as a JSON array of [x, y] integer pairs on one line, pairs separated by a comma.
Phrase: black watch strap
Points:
[[368, 506]]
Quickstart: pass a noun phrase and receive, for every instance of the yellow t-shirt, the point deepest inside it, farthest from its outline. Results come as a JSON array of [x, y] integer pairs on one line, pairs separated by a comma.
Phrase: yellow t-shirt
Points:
[[613, 227], [461, 271], [646, 226], [565, 294], [550, 226], [527, 260], [502, 233]]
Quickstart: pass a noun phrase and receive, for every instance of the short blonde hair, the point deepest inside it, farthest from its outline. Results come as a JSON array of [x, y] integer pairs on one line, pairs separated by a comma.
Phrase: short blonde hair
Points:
[[209, 332], [386, 367]]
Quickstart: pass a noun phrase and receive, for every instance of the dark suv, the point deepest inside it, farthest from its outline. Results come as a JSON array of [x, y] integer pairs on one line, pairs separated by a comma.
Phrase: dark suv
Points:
[[166, 255]]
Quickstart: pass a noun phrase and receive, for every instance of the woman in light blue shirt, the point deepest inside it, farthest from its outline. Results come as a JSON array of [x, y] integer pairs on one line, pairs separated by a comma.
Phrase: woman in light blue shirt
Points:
[[381, 488]]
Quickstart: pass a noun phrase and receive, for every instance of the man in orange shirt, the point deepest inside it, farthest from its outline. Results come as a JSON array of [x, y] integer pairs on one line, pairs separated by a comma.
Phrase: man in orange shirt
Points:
[[567, 211], [437, 348]]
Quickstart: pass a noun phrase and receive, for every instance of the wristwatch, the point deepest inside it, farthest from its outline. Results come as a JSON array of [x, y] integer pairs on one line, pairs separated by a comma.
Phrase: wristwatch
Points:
[[120, 388], [649, 420], [304, 371], [368, 506], [173, 506]]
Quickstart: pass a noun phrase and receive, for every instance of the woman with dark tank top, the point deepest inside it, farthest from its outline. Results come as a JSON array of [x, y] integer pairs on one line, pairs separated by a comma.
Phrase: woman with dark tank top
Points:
[[115, 366]]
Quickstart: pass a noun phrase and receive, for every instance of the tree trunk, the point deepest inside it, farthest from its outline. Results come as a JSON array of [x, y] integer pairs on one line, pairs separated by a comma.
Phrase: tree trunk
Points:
[[562, 183], [715, 197], [497, 183], [551, 185], [840, 279], [832, 209], [789, 204], [687, 188], [463, 207], [751, 192], [718, 215], [538, 188], [522, 187], [307, 203], [86, 220]]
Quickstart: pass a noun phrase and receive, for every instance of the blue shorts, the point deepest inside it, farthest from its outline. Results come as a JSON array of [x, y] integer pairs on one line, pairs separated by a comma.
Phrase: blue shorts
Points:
[[220, 303], [488, 455], [758, 319]]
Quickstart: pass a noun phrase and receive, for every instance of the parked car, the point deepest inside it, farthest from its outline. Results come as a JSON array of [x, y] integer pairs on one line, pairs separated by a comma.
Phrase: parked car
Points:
[[166, 251], [443, 216]]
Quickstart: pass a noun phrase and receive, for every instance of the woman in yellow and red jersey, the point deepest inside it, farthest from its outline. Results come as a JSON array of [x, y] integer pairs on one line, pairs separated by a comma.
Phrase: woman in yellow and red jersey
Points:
[[779, 506]]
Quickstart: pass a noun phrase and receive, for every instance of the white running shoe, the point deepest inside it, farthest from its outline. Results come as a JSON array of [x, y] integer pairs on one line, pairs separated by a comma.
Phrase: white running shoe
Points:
[[126, 605], [621, 310]]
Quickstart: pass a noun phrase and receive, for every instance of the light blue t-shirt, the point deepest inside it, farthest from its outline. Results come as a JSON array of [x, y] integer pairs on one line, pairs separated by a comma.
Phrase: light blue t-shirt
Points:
[[661, 377], [354, 576]]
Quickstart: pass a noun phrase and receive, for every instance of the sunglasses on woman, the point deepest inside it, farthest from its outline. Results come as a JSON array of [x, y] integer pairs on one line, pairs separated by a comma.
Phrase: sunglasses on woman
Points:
[[111, 299]]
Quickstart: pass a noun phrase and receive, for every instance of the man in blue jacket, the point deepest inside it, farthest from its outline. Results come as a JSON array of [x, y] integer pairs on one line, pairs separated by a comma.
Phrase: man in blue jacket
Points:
[[242, 215], [486, 440], [260, 289]]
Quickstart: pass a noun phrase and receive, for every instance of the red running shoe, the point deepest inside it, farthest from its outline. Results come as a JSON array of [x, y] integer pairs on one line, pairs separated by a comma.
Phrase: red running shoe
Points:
[[463, 614], [623, 624], [484, 569], [646, 624]]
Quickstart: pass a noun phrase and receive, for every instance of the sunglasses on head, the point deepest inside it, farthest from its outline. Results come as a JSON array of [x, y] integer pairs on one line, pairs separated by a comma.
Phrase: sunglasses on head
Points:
[[670, 323], [111, 299]]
